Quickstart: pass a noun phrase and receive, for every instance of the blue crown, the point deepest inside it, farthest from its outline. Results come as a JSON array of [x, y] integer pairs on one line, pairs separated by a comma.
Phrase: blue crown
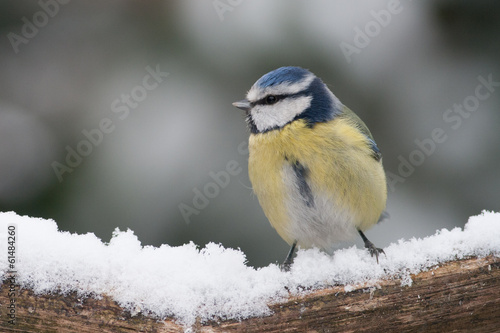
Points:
[[283, 74]]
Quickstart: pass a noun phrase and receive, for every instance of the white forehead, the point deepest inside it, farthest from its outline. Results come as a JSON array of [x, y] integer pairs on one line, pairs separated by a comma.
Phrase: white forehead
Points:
[[285, 88]]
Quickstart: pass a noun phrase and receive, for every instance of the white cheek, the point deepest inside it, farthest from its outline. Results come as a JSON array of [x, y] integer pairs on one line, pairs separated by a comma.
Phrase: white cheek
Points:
[[277, 115]]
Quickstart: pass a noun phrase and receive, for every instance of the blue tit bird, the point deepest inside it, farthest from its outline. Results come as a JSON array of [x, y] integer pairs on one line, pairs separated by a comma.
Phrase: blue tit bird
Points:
[[313, 164]]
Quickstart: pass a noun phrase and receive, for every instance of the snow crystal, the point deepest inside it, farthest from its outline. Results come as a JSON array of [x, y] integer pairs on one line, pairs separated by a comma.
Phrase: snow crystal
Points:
[[186, 282]]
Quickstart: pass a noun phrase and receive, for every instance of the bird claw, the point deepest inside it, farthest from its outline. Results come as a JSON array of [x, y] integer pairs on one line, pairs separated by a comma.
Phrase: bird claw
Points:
[[374, 251], [285, 267]]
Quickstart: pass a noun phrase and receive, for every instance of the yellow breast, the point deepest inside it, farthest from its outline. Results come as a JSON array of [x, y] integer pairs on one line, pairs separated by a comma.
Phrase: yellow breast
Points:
[[345, 179]]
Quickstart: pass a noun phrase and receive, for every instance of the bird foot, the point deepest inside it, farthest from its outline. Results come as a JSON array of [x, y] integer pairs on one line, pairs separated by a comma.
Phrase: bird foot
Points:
[[374, 251], [285, 266]]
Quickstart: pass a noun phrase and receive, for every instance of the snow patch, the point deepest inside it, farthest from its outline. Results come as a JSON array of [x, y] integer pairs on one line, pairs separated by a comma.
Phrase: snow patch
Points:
[[186, 282]]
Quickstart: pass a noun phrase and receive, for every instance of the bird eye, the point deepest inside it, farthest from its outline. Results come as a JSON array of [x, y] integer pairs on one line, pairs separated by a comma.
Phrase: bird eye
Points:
[[271, 99]]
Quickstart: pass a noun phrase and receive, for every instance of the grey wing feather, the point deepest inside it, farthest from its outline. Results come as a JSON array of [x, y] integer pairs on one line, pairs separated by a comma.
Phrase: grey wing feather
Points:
[[351, 116]]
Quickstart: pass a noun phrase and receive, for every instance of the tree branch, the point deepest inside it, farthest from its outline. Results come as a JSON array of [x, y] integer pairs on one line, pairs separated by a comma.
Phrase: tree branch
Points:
[[459, 296]]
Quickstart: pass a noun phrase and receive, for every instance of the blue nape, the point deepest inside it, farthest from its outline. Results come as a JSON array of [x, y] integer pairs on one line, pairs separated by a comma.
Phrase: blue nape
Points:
[[322, 108]]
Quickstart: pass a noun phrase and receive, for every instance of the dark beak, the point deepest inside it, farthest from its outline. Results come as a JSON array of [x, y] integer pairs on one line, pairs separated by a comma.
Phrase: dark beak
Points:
[[243, 105]]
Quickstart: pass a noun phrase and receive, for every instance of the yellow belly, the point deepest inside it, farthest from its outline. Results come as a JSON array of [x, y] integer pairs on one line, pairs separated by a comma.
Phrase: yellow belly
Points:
[[347, 183]]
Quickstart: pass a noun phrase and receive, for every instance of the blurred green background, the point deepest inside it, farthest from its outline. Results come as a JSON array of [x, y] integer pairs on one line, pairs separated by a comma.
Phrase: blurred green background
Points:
[[64, 67]]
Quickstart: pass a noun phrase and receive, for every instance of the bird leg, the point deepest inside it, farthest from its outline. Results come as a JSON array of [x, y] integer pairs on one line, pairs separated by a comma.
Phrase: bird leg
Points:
[[374, 251], [289, 258]]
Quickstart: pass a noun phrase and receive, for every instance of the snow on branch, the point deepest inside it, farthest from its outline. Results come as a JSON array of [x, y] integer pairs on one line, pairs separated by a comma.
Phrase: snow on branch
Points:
[[193, 285]]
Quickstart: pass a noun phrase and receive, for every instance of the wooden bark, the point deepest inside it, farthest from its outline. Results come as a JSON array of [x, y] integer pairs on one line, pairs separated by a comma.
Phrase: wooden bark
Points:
[[460, 296]]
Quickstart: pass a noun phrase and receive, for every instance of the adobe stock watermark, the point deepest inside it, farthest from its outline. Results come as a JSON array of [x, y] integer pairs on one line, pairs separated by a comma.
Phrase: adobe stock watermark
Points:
[[223, 6], [363, 36], [10, 281], [212, 189], [31, 27], [120, 107], [454, 118]]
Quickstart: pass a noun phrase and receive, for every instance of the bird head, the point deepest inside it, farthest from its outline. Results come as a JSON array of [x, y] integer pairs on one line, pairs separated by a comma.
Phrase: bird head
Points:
[[285, 95]]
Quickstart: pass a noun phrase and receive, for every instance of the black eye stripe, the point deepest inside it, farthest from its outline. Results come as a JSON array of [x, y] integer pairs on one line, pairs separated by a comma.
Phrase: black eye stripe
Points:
[[262, 101]]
